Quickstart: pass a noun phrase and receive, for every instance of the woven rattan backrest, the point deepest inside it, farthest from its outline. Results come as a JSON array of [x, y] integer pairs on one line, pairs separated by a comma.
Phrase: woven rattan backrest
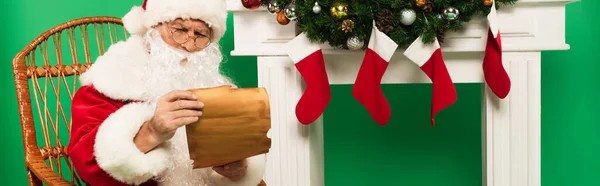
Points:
[[46, 78]]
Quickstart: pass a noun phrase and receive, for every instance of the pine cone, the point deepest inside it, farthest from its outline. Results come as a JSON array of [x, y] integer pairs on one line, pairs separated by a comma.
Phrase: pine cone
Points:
[[384, 21], [441, 34], [428, 6], [347, 25]]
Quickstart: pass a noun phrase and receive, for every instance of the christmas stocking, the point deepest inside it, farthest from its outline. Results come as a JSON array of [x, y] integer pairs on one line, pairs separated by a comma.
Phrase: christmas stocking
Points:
[[367, 88], [495, 74], [430, 60], [308, 59]]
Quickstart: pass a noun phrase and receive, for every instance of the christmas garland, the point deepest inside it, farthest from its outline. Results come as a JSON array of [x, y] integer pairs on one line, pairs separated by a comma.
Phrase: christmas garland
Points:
[[347, 24]]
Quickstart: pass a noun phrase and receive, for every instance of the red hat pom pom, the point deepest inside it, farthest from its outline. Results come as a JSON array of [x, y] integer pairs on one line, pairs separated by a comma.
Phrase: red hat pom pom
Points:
[[134, 20]]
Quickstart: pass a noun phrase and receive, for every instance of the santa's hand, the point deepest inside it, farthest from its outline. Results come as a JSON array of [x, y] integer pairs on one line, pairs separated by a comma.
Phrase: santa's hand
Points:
[[234, 171], [173, 110]]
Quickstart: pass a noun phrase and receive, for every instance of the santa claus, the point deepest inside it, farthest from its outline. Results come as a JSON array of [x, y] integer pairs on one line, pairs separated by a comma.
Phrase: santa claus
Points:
[[129, 114]]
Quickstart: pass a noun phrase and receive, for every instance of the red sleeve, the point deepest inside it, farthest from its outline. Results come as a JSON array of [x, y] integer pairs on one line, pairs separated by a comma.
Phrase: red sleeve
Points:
[[90, 112]]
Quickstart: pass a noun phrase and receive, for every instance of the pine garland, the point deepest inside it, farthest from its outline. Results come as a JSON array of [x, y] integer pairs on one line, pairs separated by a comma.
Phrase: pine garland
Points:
[[322, 27]]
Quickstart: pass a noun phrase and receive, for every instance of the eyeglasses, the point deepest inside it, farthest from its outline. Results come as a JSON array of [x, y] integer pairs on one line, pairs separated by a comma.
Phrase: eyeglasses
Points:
[[181, 36]]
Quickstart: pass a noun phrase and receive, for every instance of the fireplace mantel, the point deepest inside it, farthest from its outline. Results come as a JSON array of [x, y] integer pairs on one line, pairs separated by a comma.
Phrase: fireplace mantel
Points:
[[511, 127]]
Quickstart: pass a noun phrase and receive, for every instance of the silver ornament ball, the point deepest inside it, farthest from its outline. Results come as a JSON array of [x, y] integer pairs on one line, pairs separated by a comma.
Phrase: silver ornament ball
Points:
[[273, 7], [408, 16], [355, 43], [451, 13], [290, 12], [317, 8]]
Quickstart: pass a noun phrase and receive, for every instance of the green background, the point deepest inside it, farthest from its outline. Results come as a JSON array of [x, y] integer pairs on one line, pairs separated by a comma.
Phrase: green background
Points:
[[357, 151]]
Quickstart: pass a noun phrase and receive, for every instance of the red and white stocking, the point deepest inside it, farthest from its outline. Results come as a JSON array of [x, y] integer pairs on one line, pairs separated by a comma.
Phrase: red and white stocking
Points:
[[495, 74], [430, 60], [367, 88], [308, 59]]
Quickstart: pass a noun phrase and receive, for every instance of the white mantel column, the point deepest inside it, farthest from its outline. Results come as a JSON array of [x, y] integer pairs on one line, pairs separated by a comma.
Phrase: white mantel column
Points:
[[512, 126], [296, 155]]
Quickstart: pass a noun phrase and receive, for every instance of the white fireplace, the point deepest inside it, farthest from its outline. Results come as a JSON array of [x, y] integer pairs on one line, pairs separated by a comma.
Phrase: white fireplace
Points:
[[510, 127]]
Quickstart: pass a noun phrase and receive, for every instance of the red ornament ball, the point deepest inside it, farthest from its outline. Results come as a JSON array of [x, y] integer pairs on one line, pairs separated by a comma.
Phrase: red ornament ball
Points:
[[251, 4]]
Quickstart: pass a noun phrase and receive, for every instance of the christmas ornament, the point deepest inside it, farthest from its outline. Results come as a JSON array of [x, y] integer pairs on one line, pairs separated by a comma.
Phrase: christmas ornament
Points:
[[317, 8], [281, 19], [273, 7], [354, 43], [408, 16], [367, 87], [290, 12], [383, 21], [430, 60], [339, 10], [451, 13], [308, 59], [428, 7], [347, 25], [488, 2], [421, 3], [251, 4]]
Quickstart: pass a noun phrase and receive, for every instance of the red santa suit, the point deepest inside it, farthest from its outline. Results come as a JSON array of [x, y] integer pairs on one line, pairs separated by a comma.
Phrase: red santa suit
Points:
[[118, 94]]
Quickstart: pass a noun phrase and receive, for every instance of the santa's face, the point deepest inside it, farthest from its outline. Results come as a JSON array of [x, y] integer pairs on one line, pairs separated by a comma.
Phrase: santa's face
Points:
[[171, 68], [190, 35]]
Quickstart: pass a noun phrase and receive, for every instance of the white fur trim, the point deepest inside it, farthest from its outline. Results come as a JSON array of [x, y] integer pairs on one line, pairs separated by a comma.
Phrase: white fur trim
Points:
[[116, 74], [117, 154], [133, 21], [493, 20], [300, 48], [255, 173], [381, 44], [213, 12], [419, 52]]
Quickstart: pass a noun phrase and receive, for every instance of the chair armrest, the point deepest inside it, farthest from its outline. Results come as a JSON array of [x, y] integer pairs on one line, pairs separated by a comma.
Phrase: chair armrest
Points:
[[38, 166]]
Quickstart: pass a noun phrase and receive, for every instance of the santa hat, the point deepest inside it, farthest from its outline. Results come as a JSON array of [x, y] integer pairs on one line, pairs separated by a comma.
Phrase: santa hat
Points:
[[152, 12]]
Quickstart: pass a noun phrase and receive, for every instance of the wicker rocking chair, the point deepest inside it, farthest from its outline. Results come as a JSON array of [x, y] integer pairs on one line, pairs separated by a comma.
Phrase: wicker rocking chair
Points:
[[46, 78]]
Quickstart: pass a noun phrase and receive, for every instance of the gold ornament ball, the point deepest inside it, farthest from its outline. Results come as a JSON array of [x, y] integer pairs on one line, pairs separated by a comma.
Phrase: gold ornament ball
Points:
[[421, 3], [488, 2], [339, 10], [281, 19]]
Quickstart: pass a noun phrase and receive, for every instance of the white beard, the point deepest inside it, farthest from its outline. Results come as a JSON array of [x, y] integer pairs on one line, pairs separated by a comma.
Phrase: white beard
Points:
[[165, 72]]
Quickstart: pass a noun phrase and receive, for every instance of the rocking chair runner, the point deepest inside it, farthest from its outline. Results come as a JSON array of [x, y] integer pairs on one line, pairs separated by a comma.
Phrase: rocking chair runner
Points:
[[46, 79]]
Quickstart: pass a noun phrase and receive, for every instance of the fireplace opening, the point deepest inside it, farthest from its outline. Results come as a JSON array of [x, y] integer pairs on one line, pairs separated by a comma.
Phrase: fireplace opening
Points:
[[408, 150]]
